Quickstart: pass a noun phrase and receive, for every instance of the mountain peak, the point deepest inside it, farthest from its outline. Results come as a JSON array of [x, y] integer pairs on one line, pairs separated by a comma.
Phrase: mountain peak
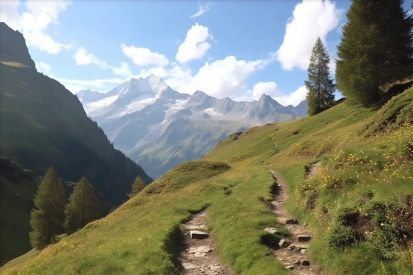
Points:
[[13, 47]]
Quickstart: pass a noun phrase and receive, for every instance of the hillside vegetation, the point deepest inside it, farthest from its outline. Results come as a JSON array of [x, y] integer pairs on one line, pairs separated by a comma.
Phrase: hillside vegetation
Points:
[[359, 205]]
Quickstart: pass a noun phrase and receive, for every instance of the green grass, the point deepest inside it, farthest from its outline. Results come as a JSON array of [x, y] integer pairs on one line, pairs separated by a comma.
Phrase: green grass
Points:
[[365, 174]]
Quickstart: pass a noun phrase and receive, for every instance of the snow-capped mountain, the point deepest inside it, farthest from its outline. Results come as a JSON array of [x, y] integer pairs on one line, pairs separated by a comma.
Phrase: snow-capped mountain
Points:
[[160, 128]]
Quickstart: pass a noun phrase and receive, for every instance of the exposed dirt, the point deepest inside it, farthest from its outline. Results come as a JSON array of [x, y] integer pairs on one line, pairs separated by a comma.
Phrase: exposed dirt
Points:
[[199, 255], [293, 253]]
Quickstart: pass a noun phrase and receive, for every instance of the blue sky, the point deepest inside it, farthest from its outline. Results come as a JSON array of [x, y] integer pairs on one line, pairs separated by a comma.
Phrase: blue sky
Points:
[[239, 49]]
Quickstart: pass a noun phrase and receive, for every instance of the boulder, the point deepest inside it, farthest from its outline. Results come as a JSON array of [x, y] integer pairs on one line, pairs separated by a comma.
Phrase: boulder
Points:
[[270, 230], [197, 234]]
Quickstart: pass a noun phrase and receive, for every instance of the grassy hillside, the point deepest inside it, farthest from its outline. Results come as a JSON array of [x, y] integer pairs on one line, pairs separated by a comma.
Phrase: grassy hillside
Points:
[[358, 206]]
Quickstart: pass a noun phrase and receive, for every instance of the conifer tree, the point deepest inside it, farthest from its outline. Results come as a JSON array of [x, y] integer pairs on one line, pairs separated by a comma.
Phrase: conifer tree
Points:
[[320, 86], [82, 207], [137, 186], [47, 218], [376, 49]]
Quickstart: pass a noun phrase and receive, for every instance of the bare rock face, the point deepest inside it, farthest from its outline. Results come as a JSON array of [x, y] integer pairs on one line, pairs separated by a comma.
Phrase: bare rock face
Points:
[[13, 47]]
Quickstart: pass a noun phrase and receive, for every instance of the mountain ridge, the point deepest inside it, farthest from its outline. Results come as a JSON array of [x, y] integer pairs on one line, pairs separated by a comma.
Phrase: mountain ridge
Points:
[[137, 114]]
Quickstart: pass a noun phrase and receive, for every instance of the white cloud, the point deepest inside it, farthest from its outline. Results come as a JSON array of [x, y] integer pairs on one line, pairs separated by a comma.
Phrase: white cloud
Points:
[[144, 56], [42, 67], [9, 13], [82, 57], [123, 69], [311, 19], [75, 85], [202, 9], [293, 98], [195, 45], [34, 21], [268, 88]]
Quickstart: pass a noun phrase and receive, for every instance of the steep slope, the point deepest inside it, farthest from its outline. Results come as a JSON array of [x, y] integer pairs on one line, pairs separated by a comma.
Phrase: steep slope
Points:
[[360, 177], [42, 124], [160, 128]]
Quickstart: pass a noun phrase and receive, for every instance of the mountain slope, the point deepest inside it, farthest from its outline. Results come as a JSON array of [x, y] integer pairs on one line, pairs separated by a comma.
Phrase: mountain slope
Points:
[[233, 182], [42, 124], [160, 128]]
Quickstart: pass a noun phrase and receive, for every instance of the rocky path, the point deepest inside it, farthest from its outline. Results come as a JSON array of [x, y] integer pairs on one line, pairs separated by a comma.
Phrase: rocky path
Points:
[[292, 251], [198, 253]]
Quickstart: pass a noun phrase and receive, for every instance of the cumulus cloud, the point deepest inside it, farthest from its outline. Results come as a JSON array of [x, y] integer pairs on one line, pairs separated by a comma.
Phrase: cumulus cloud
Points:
[[144, 56], [34, 21], [202, 9], [83, 57], [311, 19], [42, 67], [9, 13], [293, 98], [195, 45], [268, 88]]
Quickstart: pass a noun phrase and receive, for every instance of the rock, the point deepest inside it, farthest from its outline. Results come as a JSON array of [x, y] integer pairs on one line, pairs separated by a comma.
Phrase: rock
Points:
[[290, 267], [297, 262], [303, 238], [270, 230], [200, 249], [195, 227], [303, 251], [283, 243], [291, 247], [291, 221], [196, 234], [305, 263], [189, 266]]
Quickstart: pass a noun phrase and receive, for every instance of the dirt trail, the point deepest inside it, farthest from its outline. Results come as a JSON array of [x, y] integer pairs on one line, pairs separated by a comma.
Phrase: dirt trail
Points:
[[198, 252], [292, 251]]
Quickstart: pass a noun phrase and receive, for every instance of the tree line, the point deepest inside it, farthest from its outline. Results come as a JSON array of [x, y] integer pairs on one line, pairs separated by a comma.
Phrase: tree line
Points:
[[376, 50], [52, 216]]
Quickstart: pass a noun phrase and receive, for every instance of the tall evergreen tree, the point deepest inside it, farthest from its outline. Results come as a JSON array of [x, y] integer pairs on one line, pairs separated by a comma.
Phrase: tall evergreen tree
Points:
[[137, 186], [47, 218], [82, 207], [376, 49], [320, 86]]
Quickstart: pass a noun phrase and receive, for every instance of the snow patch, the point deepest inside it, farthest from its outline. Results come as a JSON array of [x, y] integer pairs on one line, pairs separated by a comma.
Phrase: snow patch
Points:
[[211, 111], [98, 106], [135, 106]]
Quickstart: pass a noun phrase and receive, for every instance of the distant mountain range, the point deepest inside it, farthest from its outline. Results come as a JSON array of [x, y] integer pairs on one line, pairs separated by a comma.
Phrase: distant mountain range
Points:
[[160, 128]]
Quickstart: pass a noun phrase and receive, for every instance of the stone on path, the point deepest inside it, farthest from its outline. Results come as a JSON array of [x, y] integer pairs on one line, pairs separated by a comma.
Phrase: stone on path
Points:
[[196, 234], [303, 251], [200, 251], [270, 230], [195, 227], [303, 238], [290, 267], [188, 266], [291, 221], [283, 243]]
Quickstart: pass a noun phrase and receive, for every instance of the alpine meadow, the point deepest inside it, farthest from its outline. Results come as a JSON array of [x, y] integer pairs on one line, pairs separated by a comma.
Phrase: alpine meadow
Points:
[[195, 161]]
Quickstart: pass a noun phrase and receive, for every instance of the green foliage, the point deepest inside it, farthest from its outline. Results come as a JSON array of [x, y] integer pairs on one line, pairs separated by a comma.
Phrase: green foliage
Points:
[[342, 236], [47, 218], [82, 207], [137, 186], [371, 53], [319, 84]]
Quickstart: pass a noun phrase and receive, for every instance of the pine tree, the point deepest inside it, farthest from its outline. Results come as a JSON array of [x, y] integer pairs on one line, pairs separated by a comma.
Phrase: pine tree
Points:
[[320, 86], [137, 186], [376, 49], [47, 218], [82, 207]]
